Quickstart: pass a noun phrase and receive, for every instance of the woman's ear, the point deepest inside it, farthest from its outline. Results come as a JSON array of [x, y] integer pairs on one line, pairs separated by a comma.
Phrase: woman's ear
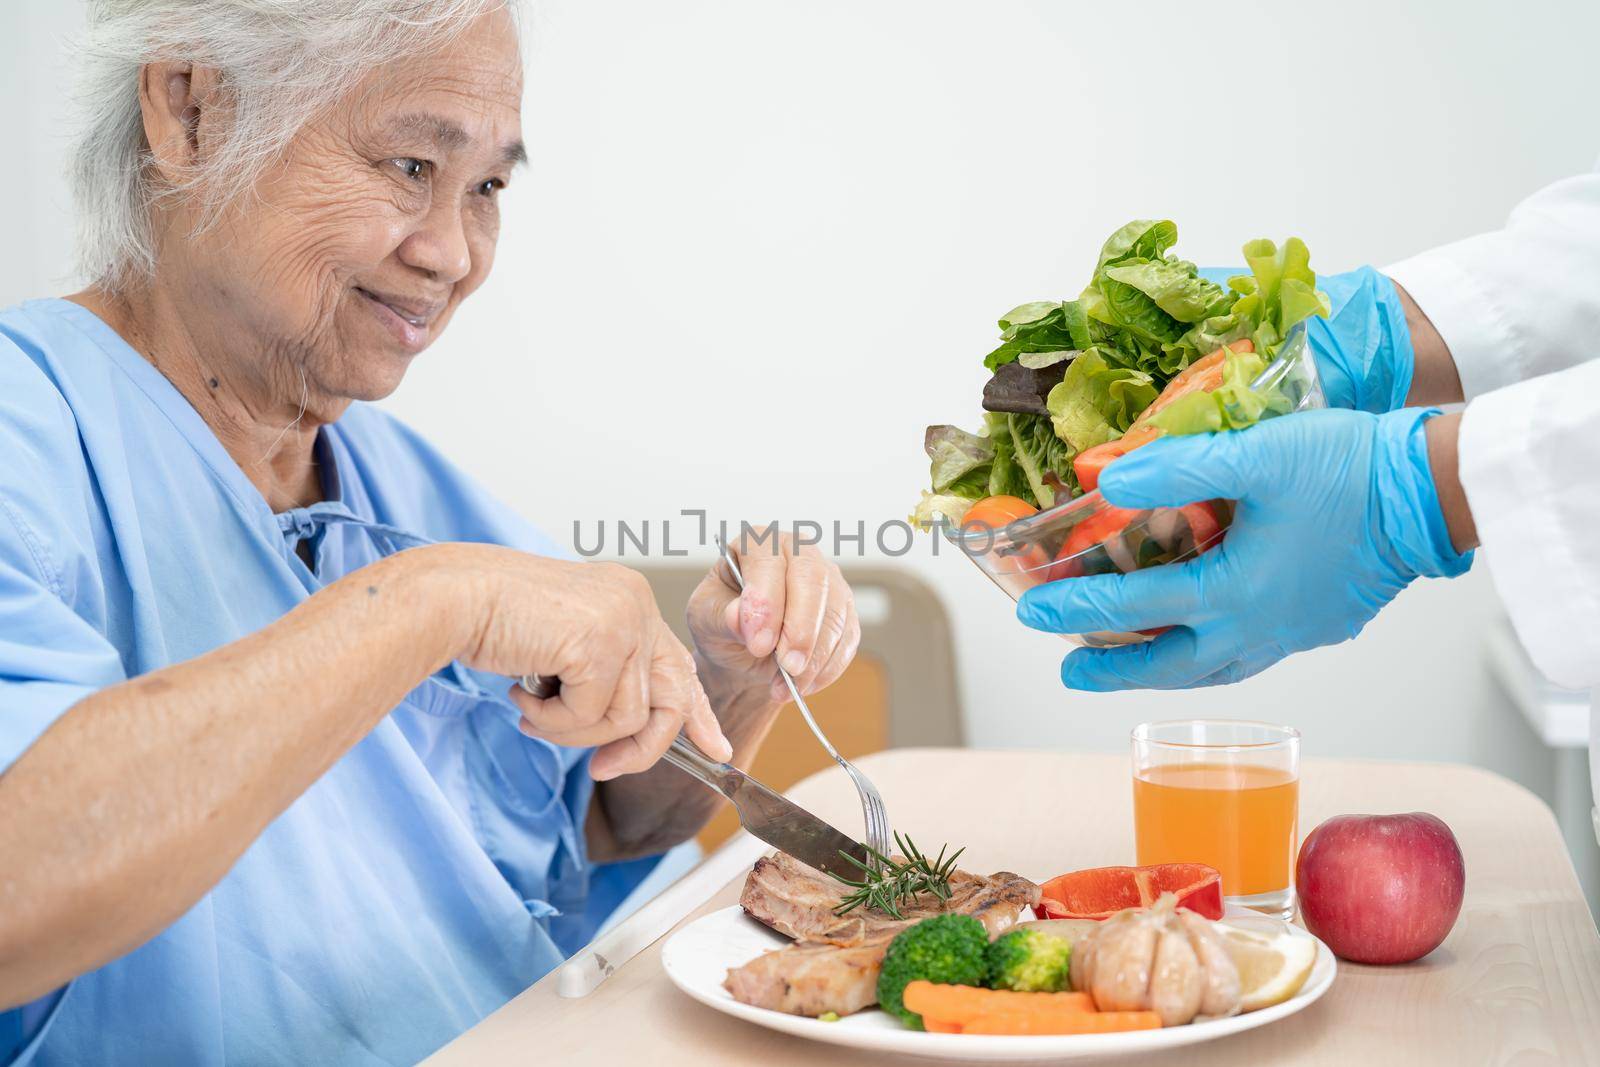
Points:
[[174, 99]]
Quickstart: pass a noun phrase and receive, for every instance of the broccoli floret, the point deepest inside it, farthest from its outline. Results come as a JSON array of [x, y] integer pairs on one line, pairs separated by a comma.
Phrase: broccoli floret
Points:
[[1031, 961], [946, 948]]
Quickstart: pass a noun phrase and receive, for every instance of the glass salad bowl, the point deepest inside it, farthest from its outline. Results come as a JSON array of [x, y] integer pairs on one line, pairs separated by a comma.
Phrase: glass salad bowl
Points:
[[1087, 535]]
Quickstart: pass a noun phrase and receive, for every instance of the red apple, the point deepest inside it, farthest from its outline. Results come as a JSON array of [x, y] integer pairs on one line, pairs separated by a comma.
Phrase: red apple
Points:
[[1381, 888]]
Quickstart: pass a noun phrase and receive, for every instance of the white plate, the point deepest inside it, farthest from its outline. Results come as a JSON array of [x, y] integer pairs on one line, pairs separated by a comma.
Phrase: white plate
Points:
[[697, 959]]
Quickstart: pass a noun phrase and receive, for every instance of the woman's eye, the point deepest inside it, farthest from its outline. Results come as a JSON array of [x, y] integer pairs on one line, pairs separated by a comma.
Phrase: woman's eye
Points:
[[411, 168], [490, 187]]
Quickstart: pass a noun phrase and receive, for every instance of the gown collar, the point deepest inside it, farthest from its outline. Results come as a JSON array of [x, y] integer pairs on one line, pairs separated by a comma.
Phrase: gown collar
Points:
[[290, 525]]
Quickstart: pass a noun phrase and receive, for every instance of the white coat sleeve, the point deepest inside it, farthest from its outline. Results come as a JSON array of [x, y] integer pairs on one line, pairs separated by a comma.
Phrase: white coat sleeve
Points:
[[1530, 464], [1519, 302]]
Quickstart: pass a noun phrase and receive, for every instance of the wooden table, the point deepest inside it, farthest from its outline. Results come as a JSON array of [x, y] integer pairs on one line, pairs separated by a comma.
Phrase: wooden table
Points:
[[1517, 982]]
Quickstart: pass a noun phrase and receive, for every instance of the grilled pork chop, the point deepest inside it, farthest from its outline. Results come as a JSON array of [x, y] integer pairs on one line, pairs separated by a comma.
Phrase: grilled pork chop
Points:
[[835, 965], [811, 978]]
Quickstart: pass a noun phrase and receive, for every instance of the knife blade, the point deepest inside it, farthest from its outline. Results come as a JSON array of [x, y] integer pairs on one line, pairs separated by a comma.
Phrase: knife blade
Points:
[[764, 813], [771, 817]]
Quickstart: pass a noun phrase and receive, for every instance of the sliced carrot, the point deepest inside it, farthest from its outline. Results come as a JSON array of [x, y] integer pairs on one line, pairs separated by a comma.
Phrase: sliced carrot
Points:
[[958, 1003], [1063, 1022], [1205, 364], [1203, 375], [1007, 1001], [939, 1026]]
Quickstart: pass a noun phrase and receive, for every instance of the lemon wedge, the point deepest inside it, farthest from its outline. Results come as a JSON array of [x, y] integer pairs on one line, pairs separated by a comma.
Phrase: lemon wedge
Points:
[[1272, 966]]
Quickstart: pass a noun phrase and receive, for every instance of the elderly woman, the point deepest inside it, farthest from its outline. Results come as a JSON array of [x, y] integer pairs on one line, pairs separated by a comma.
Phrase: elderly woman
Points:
[[267, 795]]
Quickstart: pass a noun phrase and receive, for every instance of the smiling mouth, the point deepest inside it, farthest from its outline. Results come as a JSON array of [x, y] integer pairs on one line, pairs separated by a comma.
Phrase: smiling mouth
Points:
[[410, 314]]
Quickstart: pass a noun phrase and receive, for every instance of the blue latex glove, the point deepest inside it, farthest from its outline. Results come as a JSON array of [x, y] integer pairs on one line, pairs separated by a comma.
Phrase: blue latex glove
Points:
[[1363, 347], [1337, 512]]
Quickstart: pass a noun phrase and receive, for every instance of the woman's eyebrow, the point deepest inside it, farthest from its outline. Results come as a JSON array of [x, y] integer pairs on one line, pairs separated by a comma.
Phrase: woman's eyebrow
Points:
[[448, 135]]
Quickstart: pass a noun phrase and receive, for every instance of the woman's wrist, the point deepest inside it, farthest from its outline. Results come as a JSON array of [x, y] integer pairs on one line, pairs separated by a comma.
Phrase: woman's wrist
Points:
[[1434, 378], [744, 706], [1443, 436], [419, 584], [729, 688]]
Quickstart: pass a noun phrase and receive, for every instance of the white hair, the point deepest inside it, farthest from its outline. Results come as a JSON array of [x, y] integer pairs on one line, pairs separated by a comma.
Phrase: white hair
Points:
[[281, 62]]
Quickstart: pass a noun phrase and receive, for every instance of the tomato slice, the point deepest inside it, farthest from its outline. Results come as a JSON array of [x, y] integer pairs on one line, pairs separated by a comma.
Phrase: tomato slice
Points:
[[1092, 461], [1204, 523], [1199, 528], [1201, 376], [1101, 528]]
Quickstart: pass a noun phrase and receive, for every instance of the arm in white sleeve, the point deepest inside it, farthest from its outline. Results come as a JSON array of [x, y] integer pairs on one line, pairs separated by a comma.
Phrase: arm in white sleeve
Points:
[[1522, 301], [1530, 465]]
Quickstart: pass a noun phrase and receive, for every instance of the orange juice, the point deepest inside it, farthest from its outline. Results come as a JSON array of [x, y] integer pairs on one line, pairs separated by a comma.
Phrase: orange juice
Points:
[[1240, 819]]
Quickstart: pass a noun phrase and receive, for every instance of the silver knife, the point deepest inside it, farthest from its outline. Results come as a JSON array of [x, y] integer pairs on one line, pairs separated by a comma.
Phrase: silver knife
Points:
[[763, 812]]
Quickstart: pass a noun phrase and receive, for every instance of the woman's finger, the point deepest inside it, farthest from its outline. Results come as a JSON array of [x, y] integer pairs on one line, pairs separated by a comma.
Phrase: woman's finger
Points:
[[627, 715], [807, 581], [842, 651], [675, 698], [589, 677], [680, 688], [730, 620], [677, 701], [630, 705], [713, 610], [838, 618], [604, 688], [764, 564], [639, 751]]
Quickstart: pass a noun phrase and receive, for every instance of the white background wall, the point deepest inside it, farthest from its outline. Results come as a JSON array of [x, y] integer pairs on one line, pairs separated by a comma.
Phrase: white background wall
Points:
[[760, 245]]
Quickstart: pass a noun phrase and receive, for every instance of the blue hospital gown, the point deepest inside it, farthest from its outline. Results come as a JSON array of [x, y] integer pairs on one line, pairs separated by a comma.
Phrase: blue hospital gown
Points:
[[434, 872]]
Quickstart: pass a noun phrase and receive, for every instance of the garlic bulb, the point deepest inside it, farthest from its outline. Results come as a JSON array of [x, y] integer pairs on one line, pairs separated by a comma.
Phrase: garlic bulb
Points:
[[1157, 959]]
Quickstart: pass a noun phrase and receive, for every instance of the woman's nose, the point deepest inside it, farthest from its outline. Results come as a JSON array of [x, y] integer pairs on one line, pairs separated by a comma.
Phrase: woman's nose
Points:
[[439, 246]]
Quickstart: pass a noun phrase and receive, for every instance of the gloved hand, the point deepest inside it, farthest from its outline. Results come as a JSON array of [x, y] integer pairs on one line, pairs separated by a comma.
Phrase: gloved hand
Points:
[[1363, 348], [1336, 513]]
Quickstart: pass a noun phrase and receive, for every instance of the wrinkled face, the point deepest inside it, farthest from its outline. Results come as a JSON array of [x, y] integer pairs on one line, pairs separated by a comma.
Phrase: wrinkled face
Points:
[[357, 249]]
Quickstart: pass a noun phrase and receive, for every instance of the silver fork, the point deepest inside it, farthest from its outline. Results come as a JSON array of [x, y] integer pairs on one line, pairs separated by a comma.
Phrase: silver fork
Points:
[[875, 815]]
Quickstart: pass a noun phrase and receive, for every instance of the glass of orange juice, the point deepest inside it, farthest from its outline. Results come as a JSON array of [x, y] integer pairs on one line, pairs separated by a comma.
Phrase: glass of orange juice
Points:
[[1224, 793]]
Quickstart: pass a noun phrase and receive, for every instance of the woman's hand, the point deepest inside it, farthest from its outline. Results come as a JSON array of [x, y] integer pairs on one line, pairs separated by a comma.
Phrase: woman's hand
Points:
[[794, 601], [627, 685]]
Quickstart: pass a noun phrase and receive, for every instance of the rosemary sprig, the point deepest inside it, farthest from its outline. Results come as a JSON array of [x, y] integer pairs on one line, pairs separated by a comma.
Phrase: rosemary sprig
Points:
[[886, 885]]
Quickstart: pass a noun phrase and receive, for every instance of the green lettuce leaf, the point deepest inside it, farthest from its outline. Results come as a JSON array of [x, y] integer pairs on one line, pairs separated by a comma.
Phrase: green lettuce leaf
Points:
[[936, 508], [1041, 360], [1280, 291], [1139, 239], [1131, 310], [1298, 301], [1175, 287], [1006, 476], [957, 458], [974, 483], [1076, 322], [1141, 303], [1026, 315], [1042, 326], [1097, 401], [1233, 405], [1044, 458], [1144, 316], [1208, 335]]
